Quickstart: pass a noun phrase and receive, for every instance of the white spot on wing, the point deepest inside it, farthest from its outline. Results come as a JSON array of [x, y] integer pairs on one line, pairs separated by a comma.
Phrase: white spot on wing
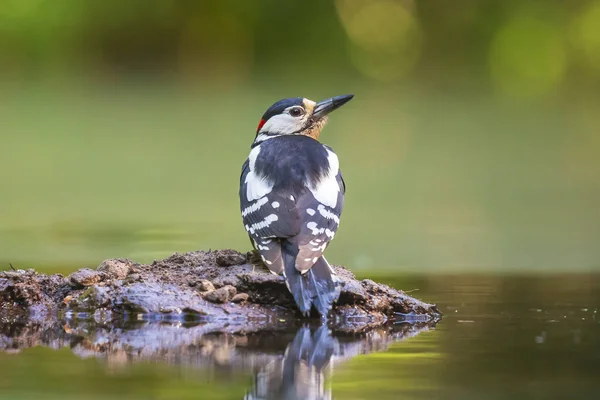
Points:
[[314, 228], [320, 248], [255, 206], [328, 214], [317, 247], [269, 219], [310, 211], [263, 247], [275, 204]]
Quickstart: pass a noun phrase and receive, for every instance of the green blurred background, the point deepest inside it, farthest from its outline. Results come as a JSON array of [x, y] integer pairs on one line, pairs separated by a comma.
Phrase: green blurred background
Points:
[[472, 143]]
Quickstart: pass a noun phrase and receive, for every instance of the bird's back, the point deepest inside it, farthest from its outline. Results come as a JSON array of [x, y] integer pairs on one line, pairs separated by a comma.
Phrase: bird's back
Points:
[[292, 163], [288, 187]]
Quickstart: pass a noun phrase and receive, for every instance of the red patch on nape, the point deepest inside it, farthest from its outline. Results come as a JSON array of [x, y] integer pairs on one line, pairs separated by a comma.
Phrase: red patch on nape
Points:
[[260, 125]]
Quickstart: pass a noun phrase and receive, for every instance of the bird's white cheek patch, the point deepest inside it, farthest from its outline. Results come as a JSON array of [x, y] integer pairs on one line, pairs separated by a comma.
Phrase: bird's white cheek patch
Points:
[[327, 189], [282, 124]]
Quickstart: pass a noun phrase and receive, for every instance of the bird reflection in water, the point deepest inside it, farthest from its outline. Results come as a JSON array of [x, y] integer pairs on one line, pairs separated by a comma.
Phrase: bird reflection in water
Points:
[[299, 374], [288, 363]]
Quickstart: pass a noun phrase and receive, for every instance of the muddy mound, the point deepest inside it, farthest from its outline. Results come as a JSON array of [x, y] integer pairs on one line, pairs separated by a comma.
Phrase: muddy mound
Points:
[[222, 285]]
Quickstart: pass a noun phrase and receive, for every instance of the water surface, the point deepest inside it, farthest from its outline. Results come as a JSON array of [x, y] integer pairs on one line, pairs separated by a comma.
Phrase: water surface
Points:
[[502, 337]]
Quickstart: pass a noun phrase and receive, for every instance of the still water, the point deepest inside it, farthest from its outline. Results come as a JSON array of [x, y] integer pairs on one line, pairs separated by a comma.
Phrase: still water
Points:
[[501, 337]]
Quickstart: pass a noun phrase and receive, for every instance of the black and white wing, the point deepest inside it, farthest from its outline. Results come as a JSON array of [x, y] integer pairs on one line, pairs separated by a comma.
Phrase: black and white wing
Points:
[[267, 216], [319, 210]]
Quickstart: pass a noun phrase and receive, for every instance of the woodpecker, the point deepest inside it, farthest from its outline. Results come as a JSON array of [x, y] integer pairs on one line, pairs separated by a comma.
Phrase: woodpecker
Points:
[[291, 198]]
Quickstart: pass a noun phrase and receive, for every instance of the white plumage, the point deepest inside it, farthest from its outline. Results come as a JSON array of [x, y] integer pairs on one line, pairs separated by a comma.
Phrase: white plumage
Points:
[[256, 186], [327, 189]]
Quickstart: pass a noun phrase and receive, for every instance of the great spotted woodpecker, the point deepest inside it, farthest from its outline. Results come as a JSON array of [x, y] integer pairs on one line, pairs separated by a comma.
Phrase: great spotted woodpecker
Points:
[[291, 198]]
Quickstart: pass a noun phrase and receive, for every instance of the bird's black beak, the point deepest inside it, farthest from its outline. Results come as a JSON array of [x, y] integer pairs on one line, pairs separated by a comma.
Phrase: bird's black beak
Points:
[[324, 107]]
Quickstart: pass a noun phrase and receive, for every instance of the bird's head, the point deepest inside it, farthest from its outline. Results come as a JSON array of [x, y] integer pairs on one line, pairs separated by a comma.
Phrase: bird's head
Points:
[[297, 116]]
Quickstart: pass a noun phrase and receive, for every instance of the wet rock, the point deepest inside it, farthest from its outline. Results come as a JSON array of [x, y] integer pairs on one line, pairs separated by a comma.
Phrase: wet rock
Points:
[[92, 299], [222, 295], [240, 298], [84, 277], [19, 288], [27, 291], [205, 285], [228, 258], [116, 268], [154, 298], [353, 292]]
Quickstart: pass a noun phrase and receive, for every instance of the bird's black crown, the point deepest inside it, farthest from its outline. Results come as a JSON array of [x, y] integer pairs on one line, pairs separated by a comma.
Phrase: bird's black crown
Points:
[[281, 105]]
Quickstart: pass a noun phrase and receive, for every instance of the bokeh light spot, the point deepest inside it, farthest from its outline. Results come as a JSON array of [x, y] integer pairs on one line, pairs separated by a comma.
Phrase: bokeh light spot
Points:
[[527, 57], [18, 10], [586, 34], [384, 37], [225, 58]]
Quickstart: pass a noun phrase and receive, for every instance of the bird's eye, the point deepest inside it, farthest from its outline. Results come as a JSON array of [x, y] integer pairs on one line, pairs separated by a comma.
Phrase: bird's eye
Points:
[[296, 111]]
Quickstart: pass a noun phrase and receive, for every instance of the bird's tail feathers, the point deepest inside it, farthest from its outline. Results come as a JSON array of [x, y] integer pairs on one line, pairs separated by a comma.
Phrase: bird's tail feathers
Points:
[[318, 286], [326, 284], [296, 283]]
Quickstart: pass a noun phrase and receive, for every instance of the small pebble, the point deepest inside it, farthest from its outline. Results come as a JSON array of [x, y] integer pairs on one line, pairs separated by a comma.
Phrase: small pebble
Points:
[[222, 295], [204, 285], [115, 268], [84, 277], [240, 298]]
